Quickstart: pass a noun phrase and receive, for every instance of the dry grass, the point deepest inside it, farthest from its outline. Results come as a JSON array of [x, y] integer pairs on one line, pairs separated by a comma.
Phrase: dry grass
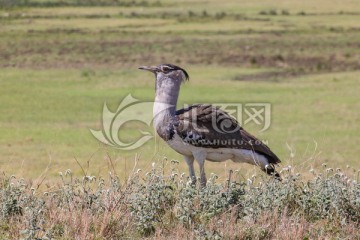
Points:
[[268, 226]]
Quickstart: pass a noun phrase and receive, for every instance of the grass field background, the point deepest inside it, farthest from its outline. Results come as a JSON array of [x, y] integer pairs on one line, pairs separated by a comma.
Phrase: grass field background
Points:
[[59, 65]]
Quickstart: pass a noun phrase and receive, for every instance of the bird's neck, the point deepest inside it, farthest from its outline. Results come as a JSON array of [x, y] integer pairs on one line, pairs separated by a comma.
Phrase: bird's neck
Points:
[[165, 104]]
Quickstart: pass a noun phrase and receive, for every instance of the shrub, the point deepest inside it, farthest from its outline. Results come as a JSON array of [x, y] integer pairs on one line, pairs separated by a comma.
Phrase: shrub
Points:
[[169, 205]]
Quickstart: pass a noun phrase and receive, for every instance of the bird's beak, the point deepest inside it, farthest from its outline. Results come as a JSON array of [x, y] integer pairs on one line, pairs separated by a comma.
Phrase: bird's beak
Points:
[[151, 68]]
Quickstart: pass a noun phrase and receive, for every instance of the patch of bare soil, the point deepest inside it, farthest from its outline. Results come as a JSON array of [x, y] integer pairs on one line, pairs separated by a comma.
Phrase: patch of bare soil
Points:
[[78, 49]]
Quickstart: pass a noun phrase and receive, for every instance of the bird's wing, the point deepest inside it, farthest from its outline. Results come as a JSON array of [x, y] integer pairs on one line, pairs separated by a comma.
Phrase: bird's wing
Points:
[[207, 126], [204, 125]]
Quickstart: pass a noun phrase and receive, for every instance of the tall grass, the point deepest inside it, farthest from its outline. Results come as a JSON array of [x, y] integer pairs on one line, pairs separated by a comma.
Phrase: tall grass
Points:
[[166, 205]]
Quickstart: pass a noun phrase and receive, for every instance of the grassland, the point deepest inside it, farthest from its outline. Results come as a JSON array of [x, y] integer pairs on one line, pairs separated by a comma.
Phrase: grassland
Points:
[[60, 61], [60, 64]]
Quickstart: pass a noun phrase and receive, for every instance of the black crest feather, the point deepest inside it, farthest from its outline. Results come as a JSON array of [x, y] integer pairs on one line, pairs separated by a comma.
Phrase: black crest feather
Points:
[[177, 68]]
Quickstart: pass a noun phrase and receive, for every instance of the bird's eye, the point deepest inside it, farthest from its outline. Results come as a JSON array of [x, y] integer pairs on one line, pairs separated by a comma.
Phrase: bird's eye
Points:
[[165, 69]]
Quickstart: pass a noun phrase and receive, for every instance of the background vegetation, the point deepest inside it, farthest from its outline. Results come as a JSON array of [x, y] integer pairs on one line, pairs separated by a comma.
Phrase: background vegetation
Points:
[[61, 60]]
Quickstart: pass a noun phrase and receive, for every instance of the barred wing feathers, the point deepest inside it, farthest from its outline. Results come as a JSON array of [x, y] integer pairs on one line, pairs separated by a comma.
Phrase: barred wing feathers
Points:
[[207, 126]]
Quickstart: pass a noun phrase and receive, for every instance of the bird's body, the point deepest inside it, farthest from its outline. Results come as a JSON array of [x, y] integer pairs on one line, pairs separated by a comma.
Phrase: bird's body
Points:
[[217, 154], [202, 131]]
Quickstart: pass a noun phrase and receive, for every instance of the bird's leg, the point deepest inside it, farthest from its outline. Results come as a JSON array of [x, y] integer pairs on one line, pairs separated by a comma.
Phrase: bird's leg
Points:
[[200, 158], [202, 172], [190, 162]]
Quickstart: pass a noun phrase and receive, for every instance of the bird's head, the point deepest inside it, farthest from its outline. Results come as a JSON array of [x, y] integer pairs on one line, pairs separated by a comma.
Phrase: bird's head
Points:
[[167, 72]]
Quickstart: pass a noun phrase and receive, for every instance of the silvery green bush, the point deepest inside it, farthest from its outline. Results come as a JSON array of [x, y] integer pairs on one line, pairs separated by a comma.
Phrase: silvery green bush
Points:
[[156, 200]]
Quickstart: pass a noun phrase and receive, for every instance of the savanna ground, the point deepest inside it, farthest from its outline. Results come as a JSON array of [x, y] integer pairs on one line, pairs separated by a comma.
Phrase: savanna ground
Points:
[[62, 60]]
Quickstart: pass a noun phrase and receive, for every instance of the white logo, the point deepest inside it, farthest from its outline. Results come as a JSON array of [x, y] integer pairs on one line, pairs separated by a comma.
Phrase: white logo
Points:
[[257, 113], [132, 109]]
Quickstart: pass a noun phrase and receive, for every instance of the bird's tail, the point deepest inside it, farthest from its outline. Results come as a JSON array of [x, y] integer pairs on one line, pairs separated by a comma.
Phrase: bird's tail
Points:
[[270, 170]]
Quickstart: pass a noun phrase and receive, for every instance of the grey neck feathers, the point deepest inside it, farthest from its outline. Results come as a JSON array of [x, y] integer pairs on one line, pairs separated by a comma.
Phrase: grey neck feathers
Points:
[[167, 92]]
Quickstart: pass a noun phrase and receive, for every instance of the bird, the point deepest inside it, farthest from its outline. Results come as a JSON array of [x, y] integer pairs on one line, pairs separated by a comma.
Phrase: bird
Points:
[[203, 132]]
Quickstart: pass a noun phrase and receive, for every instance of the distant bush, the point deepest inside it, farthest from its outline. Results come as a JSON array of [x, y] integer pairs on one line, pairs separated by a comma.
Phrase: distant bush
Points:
[[9, 3], [285, 12], [269, 12], [62, 3], [169, 206], [274, 12]]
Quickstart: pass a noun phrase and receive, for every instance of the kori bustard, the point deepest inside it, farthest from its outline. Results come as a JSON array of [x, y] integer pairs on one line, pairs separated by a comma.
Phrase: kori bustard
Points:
[[197, 132]]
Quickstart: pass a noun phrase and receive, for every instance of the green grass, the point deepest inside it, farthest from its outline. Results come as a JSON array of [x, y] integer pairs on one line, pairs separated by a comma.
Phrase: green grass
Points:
[[47, 115], [60, 64]]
